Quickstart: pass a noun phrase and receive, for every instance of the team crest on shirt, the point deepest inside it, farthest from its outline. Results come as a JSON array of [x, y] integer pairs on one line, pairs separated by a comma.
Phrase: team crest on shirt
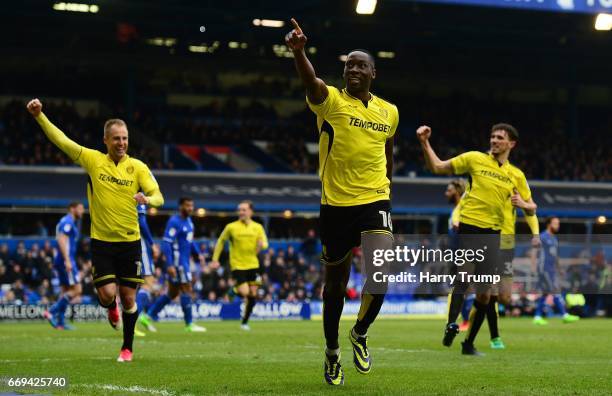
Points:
[[130, 169], [384, 112]]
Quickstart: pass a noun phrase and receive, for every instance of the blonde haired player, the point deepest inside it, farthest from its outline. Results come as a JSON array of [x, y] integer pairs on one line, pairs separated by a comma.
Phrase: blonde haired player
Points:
[[116, 184]]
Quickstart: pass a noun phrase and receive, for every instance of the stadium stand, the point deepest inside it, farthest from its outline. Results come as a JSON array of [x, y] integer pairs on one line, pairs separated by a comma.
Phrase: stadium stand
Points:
[[546, 150]]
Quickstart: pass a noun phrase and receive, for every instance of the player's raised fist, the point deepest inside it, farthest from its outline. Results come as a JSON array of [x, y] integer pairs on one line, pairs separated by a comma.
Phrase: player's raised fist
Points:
[[34, 107], [423, 133], [295, 39]]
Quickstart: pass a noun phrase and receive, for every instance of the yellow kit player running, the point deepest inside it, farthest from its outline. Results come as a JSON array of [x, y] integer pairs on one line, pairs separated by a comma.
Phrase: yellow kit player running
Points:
[[356, 130], [247, 238], [116, 183], [503, 292], [492, 182]]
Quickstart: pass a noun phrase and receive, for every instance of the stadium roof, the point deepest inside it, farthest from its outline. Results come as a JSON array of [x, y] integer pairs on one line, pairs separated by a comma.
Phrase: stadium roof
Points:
[[426, 39]]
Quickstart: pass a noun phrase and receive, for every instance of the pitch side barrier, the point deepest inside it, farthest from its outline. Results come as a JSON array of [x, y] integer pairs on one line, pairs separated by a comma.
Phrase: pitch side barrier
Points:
[[207, 310]]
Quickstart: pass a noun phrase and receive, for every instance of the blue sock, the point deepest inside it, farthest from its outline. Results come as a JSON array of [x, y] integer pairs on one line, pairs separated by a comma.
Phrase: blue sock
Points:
[[186, 305], [158, 306], [62, 304], [143, 300], [540, 306], [467, 307], [559, 304]]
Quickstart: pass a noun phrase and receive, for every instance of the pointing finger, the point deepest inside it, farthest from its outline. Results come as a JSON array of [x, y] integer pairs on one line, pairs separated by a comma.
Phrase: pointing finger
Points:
[[296, 26]]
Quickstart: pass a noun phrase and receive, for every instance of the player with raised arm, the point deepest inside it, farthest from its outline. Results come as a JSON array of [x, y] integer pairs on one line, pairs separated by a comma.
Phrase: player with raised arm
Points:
[[356, 130], [178, 247], [65, 265], [547, 270], [492, 182], [247, 238], [116, 184]]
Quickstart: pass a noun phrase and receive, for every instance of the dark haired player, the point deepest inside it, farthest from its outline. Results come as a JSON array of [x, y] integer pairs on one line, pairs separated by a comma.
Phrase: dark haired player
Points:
[[178, 247], [116, 184], [65, 265], [356, 130], [547, 270], [492, 182]]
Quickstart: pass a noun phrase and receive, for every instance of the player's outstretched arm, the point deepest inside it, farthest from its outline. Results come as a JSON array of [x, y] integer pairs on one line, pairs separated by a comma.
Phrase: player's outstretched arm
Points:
[[316, 90], [54, 134], [220, 245], [434, 164]]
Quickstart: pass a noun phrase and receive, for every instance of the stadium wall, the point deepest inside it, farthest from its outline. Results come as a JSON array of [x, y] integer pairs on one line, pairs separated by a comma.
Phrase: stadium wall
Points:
[[26, 186]]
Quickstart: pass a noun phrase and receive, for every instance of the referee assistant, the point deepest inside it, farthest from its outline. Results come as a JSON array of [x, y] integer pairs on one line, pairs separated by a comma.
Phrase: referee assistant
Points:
[[116, 184]]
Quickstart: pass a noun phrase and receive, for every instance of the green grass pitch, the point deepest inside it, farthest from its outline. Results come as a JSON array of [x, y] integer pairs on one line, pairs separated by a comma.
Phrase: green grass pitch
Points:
[[286, 357]]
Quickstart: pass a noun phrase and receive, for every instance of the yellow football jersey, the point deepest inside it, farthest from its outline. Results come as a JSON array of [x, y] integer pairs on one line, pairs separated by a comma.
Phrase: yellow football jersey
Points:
[[352, 138], [490, 187], [243, 238], [111, 187]]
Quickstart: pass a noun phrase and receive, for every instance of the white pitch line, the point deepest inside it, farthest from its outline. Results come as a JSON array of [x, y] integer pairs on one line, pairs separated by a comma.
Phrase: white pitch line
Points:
[[128, 389], [46, 360]]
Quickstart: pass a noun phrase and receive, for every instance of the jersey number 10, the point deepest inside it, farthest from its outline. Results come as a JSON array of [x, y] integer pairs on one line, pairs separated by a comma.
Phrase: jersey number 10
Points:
[[386, 217]]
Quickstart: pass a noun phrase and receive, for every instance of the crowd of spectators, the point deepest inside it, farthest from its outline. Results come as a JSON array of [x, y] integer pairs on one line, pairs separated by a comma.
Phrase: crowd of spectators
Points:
[[23, 143], [288, 273], [546, 149]]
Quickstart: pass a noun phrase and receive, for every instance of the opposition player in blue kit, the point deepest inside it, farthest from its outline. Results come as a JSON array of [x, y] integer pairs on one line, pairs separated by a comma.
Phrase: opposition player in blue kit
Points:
[[547, 269], [149, 250], [178, 247], [65, 265]]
